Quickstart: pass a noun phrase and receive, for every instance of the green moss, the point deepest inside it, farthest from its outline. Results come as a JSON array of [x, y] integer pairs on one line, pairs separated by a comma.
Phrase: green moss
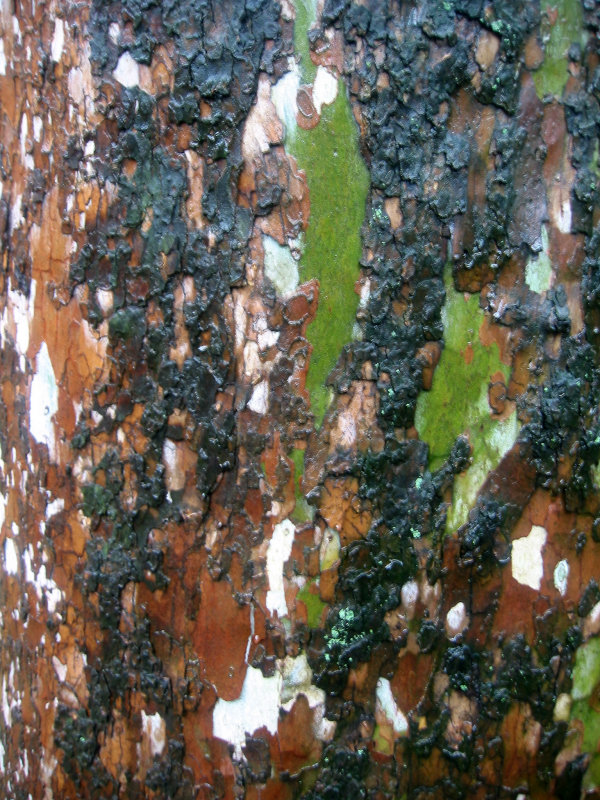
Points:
[[591, 724], [591, 779], [305, 16], [586, 672], [552, 76], [338, 182], [458, 401], [314, 605], [586, 677]]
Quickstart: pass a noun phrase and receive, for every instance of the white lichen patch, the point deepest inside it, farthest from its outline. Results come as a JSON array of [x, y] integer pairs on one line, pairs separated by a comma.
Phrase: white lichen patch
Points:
[[410, 595], [2, 58], [538, 272], [38, 127], [457, 620], [43, 402], [127, 71], [283, 96], [346, 424], [562, 708], [265, 337], [323, 728], [296, 680], [385, 704], [58, 40], [114, 31], [591, 624], [526, 558], [23, 135], [60, 669], [44, 586], [76, 87], [262, 699], [256, 707], [325, 88], [561, 576], [11, 558], [16, 319], [105, 299], [263, 126], [252, 362], [258, 401], [172, 462], [280, 266], [280, 549], [16, 213], [365, 293], [154, 732]]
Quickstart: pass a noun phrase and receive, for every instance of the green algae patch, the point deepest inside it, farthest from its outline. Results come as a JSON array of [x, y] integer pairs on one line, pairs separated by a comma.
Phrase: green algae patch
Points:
[[586, 672], [591, 779], [306, 13], [552, 76], [309, 595], [458, 401], [586, 683], [338, 182], [381, 741]]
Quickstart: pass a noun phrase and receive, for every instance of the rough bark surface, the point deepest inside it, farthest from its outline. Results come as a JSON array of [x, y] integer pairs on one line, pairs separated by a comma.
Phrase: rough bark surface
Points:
[[299, 401]]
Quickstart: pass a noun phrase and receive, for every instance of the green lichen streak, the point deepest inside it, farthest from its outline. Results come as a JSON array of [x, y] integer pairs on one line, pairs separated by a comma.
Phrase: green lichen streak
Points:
[[458, 401], [552, 76], [586, 682], [302, 511], [314, 604], [338, 182], [305, 16]]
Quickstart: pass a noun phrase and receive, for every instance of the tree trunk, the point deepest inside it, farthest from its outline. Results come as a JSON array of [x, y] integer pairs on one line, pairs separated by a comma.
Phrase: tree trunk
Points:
[[300, 399]]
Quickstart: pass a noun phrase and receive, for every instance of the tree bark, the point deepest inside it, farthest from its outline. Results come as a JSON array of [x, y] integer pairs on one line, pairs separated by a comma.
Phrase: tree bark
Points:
[[300, 431]]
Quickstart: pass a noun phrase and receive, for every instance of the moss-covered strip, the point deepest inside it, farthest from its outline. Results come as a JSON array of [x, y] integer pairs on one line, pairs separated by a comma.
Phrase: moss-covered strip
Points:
[[552, 76], [338, 182], [458, 401]]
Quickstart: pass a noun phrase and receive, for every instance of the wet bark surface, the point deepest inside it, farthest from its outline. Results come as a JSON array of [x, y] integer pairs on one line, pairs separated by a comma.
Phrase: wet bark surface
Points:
[[299, 422]]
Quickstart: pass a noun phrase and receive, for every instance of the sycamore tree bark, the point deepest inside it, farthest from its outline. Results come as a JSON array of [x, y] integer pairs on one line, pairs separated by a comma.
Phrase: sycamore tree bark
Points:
[[299, 399]]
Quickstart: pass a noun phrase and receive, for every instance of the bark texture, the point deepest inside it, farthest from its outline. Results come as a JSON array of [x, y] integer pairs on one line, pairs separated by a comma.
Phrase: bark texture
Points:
[[299, 401]]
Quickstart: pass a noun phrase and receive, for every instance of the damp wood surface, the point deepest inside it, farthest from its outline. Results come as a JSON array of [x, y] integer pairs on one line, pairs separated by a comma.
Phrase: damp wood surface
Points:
[[299, 399]]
